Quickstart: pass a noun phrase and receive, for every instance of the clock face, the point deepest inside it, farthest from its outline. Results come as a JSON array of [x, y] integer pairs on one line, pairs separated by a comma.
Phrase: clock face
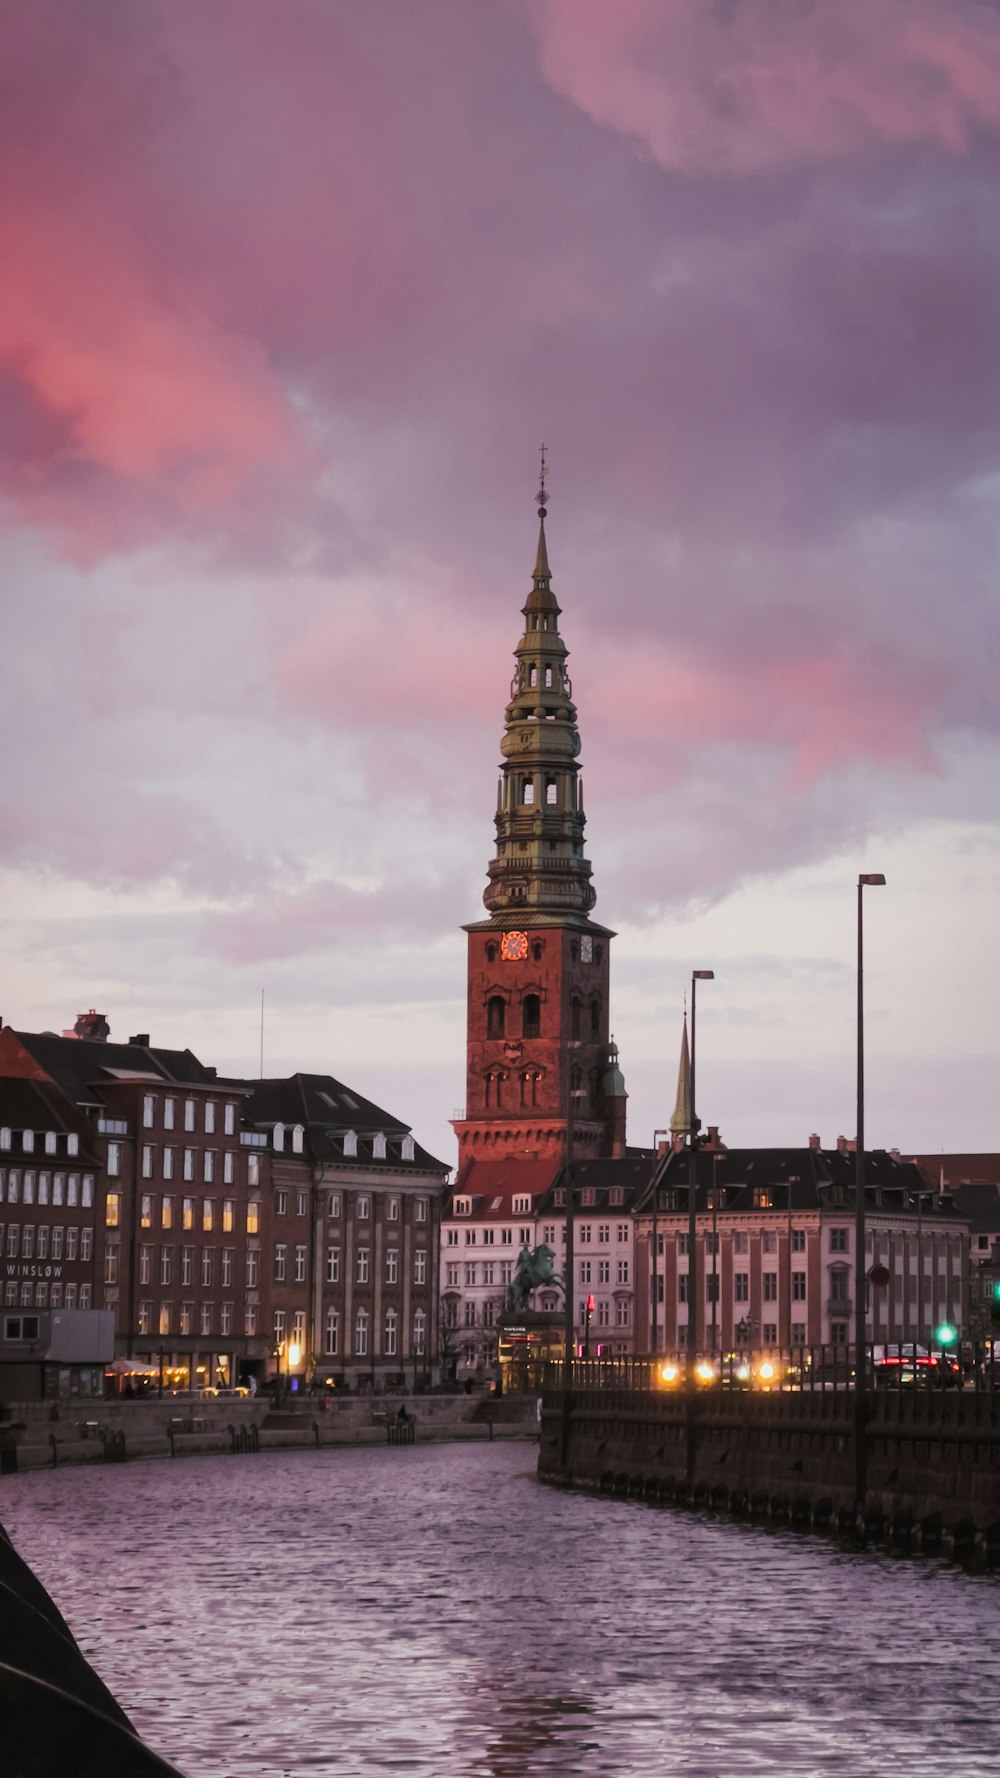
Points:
[[514, 946], [586, 950]]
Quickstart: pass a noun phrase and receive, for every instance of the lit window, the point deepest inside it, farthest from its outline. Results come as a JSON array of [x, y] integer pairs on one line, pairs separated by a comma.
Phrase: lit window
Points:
[[113, 1210], [167, 1213], [187, 1214], [208, 1214], [253, 1217]]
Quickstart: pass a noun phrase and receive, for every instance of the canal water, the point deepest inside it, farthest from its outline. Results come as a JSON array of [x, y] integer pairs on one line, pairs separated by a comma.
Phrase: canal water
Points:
[[433, 1612]]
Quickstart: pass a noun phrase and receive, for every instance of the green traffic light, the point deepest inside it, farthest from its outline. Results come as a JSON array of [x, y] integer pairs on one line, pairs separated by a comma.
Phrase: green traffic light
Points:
[[996, 1290], [945, 1334]]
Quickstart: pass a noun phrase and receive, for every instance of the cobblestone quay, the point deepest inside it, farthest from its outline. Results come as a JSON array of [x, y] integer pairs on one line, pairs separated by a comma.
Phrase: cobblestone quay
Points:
[[931, 1457]]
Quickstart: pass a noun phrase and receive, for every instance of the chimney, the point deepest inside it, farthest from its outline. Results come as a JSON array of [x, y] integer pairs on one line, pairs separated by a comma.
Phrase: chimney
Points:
[[814, 1143], [140, 1040], [93, 1026], [712, 1139]]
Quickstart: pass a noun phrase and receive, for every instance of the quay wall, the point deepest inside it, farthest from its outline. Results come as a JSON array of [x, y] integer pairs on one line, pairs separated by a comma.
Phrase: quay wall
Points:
[[930, 1460], [96, 1432]]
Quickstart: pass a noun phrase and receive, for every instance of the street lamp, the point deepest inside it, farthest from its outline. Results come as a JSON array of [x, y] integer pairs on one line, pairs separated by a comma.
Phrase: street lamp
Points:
[[872, 880], [697, 975]]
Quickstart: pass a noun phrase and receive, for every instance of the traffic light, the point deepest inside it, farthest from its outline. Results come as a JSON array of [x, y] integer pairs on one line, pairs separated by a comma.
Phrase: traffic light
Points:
[[945, 1335]]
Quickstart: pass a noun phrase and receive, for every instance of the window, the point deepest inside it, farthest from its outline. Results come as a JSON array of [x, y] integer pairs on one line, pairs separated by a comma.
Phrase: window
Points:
[[585, 1272], [298, 1137], [228, 1256], [407, 1148], [206, 1266], [584, 1232], [603, 1233], [168, 1113], [280, 1255], [187, 1265], [43, 1188], [838, 1333], [741, 1286], [301, 1203], [207, 1313], [361, 1334], [768, 1241], [114, 1159], [604, 1271], [208, 1166], [623, 1313], [682, 1287], [419, 1332], [253, 1267], [86, 1294], [168, 1163], [531, 1016], [712, 1287], [470, 1277], [362, 1272], [187, 1213], [489, 1273], [391, 1265], [209, 1117], [145, 1317], [281, 1203], [798, 1287], [333, 1265], [506, 1237], [58, 1184], [488, 1237], [279, 1327], [145, 1265], [300, 1265], [42, 1248], [226, 1319], [28, 1141], [148, 1111], [391, 1323], [392, 1209], [331, 1333], [770, 1284], [208, 1215], [623, 1271], [147, 1160], [451, 1276], [333, 1204], [113, 1210], [28, 1243], [451, 1237], [164, 1321], [57, 1243], [420, 1210], [189, 1163], [350, 1144], [228, 1215], [230, 1120], [363, 1207], [741, 1241], [496, 1013], [798, 1240], [72, 1188], [470, 1314], [623, 1231], [770, 1333], [111, 1265], [253, 1169], [839, 1241], [166, 1264], [378, 1147], [420, 1266], [146, 1211], [253, 1217], [189, 1114], [838, 1284], [167, 1213]]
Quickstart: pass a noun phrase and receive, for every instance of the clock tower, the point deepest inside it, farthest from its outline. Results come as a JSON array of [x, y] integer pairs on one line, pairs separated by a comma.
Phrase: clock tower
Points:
[[542, 1072]]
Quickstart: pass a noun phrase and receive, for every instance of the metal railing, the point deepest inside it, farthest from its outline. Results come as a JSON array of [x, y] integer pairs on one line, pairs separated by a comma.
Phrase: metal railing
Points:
[[905, 1365]]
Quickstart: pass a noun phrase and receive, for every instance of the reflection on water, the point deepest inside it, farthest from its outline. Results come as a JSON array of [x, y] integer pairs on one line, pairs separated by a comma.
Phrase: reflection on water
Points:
[[432, 1612]]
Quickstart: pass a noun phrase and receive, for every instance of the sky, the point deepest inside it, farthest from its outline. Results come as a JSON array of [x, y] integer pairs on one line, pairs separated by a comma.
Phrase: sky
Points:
[[292, 294]]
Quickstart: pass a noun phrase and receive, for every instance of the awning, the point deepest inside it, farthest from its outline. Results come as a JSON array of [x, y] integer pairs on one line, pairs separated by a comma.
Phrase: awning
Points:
[[131, 1367]]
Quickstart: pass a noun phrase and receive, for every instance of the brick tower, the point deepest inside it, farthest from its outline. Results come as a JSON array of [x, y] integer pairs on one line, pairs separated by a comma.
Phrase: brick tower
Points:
[[539, 1058]]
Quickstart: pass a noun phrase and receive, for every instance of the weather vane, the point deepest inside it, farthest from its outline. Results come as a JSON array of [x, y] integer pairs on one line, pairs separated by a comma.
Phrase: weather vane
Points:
[[543, 493]]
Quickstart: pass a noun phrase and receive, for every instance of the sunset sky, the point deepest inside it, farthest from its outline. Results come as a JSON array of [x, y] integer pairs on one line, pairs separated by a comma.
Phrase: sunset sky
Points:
[[292, 291]]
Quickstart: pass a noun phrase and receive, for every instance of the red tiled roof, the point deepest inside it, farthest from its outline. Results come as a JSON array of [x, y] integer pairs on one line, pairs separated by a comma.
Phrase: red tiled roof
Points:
[[493, 1185]]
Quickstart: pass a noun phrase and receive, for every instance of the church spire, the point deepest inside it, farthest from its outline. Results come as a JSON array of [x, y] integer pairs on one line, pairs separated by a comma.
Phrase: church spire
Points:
[[539, 871], [680, 1123]]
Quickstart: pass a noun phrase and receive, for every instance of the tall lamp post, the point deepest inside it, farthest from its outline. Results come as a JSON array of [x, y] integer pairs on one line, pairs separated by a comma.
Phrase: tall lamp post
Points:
[[873, 880], [697, 975]]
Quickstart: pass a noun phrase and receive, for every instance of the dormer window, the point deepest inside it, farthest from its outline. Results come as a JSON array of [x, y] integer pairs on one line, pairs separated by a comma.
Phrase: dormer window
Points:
[[407, 1148], [522, 1206], [298, 1135], [4, 1137], [51, 1143], [378, 1147], [28, 1141], [72, 1143], [278, 1138], [462, 1207], [350, 1144]]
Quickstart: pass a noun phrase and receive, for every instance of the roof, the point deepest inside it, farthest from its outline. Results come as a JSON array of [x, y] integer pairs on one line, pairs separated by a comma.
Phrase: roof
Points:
[[493, 1186], [802, 1178], [979, 1202], [327, 1110], [959, 1169], [84, 1068], [39, 1105]]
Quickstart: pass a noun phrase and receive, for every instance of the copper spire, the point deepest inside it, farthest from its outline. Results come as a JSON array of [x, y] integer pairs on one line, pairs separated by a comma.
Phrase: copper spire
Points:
[[680, 1123]]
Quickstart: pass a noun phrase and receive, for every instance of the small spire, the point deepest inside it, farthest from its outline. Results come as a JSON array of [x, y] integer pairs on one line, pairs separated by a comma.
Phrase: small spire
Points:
[[680, 1123], [541, 569]]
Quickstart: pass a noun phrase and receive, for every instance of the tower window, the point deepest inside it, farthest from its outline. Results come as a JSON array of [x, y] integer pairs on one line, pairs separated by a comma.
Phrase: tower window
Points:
[[532, 675], [574, 1018], [595, 1018], [528, 791], [495, 1016], [574, 951], [531, 1016], [551, 790], [491, 953], [537, 949], [548, 676]]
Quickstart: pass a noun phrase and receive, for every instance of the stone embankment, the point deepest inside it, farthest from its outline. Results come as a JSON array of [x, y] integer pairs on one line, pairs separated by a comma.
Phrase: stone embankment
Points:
[[929, 1463], [106, 1432]]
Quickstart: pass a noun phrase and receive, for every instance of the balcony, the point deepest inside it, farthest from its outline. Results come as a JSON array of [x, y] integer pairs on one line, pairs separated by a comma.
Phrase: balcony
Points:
[[253, 1138], [112, 1126]]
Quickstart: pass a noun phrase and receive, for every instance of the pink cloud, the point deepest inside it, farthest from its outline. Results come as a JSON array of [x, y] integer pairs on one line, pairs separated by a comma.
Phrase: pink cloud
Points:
[[745, 88]]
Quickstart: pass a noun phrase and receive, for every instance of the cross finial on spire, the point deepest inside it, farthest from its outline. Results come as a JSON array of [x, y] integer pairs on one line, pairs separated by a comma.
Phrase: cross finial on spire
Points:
[[543, 493]]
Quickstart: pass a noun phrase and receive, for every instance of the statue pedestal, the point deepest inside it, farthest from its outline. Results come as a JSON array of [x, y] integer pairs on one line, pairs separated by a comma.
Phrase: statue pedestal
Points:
[[527, 1342]]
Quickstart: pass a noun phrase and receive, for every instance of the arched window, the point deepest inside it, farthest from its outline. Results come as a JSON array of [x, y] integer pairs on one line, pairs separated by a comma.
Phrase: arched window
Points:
[[531, 1016], [574, 950], [528, 791], [298, 1134], [548, 676], [491, 953], [551, 791], [496, 1013], [532, 675], [576, 1078], [595, 1018], [278, 1137], [537, 949], [575, 1010]]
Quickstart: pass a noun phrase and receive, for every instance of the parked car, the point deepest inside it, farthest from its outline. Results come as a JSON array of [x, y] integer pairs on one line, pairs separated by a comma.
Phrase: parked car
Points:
[[905, 1364]]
